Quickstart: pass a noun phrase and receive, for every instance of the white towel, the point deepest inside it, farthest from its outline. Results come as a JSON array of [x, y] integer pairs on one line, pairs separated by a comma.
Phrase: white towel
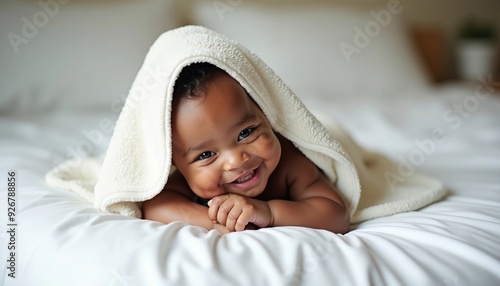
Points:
[[139, 158]]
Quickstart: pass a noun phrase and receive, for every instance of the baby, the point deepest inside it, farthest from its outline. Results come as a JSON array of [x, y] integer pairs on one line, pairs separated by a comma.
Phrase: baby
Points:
[[233, 172]]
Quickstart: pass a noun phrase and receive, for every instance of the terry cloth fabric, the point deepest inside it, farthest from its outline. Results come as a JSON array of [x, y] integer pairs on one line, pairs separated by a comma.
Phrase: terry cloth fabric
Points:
[[138, 161]]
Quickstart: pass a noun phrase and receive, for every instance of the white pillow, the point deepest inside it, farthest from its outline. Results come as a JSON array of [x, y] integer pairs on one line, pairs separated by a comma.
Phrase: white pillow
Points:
[[313, 49], [78, 54]]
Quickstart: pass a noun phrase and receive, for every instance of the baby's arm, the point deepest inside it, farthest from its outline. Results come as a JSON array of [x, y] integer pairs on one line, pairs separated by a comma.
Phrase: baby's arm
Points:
[[315, 208], [314, 201], [175, 204]]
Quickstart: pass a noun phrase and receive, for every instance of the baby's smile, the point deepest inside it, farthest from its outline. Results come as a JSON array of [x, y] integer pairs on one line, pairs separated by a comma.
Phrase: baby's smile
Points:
[[246, 177], [246, 181]]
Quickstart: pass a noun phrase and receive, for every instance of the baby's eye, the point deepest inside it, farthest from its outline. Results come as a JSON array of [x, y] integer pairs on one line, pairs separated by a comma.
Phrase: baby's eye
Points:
[[205, 155], [245, 133]]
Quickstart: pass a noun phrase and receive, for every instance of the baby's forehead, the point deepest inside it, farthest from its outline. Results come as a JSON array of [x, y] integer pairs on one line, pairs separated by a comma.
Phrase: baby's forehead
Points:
[[219, 83]]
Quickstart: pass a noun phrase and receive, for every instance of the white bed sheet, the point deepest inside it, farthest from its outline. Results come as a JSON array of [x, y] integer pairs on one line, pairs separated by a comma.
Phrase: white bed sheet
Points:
[[62, 240]]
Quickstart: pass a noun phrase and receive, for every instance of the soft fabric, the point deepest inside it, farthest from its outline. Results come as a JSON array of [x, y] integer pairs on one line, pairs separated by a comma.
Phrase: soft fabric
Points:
[[138, 161]]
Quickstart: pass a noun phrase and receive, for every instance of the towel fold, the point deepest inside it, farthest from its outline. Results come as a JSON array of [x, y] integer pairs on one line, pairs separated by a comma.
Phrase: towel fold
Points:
[[138, 161]]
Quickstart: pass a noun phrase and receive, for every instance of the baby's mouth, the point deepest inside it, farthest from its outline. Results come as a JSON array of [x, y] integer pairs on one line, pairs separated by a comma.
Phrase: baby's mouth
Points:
[[247, 181], [245, 178]]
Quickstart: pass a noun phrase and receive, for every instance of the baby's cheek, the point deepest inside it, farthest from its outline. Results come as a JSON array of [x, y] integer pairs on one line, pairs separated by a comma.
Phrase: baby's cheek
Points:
[[271, 144], [266, 140], [206, 185], [210, 193]]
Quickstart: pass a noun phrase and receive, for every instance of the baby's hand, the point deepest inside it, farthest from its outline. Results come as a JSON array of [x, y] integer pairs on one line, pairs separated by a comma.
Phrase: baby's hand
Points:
[[220, 228], [236, 211]]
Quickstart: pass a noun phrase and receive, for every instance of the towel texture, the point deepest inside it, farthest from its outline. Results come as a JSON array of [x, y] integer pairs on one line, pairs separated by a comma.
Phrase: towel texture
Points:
[[139, 158]]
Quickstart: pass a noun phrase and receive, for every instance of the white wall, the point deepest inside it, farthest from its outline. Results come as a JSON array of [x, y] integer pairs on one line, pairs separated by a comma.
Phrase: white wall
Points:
[[445, 15]]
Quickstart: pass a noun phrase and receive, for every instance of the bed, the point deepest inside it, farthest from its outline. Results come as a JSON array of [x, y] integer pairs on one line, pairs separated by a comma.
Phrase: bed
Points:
[[382, 96]]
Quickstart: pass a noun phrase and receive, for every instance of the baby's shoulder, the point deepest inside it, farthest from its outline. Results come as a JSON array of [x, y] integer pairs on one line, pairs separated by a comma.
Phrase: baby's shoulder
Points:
[[292, 168], [292, 159], [289, 150]]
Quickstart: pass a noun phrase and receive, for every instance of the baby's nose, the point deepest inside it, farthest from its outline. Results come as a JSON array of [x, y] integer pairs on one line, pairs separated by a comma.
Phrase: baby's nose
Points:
[[235, 159]]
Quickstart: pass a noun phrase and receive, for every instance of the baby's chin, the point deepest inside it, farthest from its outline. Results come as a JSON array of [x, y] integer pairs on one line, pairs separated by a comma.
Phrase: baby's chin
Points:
[[251, 193]]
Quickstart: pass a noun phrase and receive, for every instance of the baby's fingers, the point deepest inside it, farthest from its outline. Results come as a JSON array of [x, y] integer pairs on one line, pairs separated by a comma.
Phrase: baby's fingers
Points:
[[214, 206], [233, 218], [242, 221], [213, 209]]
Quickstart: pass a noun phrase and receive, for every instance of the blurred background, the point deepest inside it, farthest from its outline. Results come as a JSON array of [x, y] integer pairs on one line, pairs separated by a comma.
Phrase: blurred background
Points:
[[84, 54]]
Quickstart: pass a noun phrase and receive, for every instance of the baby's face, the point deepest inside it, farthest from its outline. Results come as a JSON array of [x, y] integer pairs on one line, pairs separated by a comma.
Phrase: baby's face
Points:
[[222, 142]]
